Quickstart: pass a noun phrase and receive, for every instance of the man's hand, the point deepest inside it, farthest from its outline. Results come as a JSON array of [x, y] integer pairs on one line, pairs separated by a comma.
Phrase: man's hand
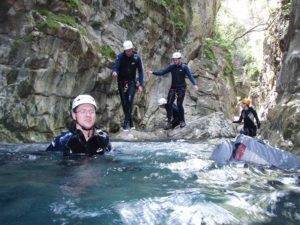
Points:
[[140, 89], [195, 87], [149, 72], [114, 75]]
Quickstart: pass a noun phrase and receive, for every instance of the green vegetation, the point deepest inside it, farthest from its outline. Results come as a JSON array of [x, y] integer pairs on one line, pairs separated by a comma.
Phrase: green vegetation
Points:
[[252, 71], [74, 4], [107, 51], [226, 46], [53, 21], [176, 12], [286, 6], [178, 19]]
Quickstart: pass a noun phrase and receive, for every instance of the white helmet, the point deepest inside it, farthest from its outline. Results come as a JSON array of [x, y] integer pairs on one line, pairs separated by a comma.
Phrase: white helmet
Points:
[[127, 45], [162, 101], [176, 55], [83, 99]]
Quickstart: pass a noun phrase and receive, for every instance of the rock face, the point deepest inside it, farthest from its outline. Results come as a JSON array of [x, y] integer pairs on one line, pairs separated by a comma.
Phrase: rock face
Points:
[[281, 100], [53, 50]]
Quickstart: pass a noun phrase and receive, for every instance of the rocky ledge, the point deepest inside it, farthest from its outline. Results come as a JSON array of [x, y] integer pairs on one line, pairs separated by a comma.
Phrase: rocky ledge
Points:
[[214, 125]]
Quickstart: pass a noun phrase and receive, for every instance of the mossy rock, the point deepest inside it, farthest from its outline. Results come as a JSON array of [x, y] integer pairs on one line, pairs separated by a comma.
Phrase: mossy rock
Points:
[[18, 44], [52, 21], [11, 76], [24, 89], [107, 52], [174, 9]]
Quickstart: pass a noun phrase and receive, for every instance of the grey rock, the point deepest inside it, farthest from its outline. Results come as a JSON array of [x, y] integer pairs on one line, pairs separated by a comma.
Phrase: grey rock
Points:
[[211, 126], [45, 68]]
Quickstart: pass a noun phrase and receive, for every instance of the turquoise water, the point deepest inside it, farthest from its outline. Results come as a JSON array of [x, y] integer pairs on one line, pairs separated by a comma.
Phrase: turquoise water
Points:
[[142, 183]]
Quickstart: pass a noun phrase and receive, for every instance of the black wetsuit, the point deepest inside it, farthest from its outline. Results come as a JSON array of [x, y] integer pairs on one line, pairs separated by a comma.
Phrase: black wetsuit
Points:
[[73, 142], [177, 89], [126, 68], [248, 115]]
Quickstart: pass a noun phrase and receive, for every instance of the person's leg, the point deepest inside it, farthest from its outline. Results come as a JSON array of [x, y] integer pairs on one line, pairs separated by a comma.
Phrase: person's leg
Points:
[[252, 132], [122, 92], [170, 101], [180, 98], [175, 123], [245, 131], [131, 94]]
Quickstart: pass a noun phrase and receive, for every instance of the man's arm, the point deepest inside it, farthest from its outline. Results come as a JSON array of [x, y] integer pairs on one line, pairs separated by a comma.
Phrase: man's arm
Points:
[[116, 67], [189, 74], [163, 71], [141, 71], [256, 118], [59, 143], [240, 119]]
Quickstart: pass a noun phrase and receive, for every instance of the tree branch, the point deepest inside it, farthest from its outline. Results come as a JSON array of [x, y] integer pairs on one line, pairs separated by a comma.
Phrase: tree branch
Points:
[[253, 29]]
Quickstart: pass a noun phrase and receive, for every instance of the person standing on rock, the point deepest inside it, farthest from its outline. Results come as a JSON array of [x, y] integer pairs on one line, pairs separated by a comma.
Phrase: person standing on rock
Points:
[[126, 65], [247, 115], [178, 71], [175, 121], [83, 137]]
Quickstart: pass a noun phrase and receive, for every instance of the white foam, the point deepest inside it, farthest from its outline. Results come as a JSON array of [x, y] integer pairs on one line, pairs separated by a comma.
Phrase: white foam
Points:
[[179, 208], [187, 168], [70, 209]]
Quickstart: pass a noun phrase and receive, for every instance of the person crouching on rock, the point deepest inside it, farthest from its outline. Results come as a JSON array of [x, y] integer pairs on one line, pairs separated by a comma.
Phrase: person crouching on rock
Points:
[[175, 121], [178, 71], [83, 137], [247, 115]]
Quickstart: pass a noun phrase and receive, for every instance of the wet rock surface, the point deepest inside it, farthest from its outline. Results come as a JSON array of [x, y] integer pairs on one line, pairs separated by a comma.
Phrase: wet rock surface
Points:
[[211, 126]]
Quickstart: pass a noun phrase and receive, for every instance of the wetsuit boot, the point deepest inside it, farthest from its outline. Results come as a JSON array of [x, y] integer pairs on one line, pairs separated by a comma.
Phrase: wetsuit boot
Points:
[[168, 126], [132, 127], [126, 126]]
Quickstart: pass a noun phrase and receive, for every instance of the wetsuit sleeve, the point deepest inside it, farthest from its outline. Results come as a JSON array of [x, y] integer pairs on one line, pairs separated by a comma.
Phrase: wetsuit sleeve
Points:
[[256, 117], [240, 119], [59, 143], [189, 74], [116, 67], [141, 71], [163, 71]]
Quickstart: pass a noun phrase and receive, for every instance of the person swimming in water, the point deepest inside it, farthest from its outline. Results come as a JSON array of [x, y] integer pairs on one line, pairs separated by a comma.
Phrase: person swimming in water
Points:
[[83, 137]]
